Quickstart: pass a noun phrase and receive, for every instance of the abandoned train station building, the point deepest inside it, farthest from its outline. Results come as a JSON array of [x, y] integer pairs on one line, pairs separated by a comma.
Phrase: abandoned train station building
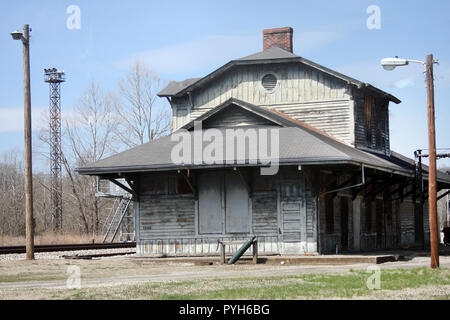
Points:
[[316, 175]]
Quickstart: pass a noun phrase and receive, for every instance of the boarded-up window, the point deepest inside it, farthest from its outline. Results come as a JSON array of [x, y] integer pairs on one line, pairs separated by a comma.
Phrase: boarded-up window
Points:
[[210, 214], [380, 116], [223, 203], [237, 214]]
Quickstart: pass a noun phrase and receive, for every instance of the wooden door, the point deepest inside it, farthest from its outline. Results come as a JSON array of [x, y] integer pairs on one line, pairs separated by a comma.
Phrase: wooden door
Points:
[[292, 218], [237, 213]]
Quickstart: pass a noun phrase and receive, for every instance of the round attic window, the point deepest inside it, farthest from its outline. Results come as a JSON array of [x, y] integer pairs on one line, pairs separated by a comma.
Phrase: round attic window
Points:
[[269, 81]]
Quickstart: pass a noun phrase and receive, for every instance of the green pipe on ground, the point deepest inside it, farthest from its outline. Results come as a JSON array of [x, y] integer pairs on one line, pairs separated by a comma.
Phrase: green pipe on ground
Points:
[[241, 251]]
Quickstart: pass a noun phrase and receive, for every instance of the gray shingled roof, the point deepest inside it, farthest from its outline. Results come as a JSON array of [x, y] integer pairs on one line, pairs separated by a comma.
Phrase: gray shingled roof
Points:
[[297, 146], [176, 86], [272, 55], [269, 54]]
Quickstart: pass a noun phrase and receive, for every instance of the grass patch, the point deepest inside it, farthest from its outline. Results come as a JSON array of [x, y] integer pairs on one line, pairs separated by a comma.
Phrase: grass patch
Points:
[[310, 286], [29, 277]]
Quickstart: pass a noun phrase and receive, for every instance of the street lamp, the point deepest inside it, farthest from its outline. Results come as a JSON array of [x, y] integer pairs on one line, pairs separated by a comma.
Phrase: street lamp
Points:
[[391, 64], [25, 36]]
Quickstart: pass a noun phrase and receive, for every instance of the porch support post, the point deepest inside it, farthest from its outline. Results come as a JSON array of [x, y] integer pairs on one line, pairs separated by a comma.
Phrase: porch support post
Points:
[[357, 223]]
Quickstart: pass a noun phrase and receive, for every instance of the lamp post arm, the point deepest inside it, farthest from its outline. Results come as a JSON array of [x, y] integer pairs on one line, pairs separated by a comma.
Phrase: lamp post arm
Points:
[[417, 61]]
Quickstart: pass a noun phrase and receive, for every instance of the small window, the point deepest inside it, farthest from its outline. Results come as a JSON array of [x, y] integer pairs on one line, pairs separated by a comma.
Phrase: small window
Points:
[[269, 81]]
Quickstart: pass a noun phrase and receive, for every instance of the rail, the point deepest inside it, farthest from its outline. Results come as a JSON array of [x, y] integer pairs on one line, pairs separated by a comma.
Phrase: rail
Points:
[[67, 247]]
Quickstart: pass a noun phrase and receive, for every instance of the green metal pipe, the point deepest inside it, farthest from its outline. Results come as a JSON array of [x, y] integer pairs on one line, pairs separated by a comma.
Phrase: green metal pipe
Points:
[[241, 251]]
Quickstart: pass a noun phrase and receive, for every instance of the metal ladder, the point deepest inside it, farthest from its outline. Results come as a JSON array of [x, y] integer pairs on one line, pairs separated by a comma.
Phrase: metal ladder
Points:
[[127, 227], [113, 222]]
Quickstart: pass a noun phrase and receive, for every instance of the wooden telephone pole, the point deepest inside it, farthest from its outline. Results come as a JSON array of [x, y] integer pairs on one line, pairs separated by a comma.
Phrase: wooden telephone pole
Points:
[[432, 194], [29, 220]]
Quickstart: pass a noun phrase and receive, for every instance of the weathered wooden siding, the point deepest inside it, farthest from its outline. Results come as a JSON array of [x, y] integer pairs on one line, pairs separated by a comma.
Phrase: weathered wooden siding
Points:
[[165, 216], [301, 92], [205, 246], [167, 223], [371, 127], [407, 227], [265, 214], [333, 116], [235, 117]]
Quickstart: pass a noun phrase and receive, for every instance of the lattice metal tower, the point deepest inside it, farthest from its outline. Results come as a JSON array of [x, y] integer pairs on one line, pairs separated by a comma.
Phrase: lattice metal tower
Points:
[[54, 78]]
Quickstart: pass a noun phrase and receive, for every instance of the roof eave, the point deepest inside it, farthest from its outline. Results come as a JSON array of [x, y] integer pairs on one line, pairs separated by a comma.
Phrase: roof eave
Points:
[[282, 162]]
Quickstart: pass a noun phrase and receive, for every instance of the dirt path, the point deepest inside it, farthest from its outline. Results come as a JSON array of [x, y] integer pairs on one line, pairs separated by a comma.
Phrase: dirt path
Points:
[[125, 270], [39, 275]]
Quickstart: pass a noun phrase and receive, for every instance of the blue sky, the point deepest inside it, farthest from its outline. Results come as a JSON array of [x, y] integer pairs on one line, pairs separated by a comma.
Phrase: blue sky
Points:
[[186, 39]]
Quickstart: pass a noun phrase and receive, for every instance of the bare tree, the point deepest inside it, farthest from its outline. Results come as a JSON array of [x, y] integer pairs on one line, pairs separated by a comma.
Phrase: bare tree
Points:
[[88, 138], [12, 197], [100, 124], [139, 117]]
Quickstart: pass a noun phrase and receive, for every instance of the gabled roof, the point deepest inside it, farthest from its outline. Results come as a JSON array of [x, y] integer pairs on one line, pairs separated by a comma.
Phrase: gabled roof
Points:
[[298, 144], [262, 112], [272, 55]]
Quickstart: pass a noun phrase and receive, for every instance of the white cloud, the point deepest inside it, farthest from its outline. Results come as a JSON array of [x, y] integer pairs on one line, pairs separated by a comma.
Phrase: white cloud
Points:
[[204, 54], [12, 119], [404, 83], [194, 56], [312, 40]]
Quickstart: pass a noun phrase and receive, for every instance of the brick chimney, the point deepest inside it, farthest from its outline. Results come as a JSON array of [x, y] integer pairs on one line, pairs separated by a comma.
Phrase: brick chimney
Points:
[[281, 37]]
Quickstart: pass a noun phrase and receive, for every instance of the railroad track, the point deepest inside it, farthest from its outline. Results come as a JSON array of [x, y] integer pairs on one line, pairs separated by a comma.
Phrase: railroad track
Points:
[[68, 247]]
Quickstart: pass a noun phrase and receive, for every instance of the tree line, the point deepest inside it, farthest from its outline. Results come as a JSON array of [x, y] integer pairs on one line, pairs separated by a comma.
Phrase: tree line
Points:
[[101, 123]]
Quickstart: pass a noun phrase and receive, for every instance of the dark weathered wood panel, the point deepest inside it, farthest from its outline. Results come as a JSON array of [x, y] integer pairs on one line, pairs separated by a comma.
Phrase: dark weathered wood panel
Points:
[[235, 117], [166, 216], [371, 127], [265, 216]]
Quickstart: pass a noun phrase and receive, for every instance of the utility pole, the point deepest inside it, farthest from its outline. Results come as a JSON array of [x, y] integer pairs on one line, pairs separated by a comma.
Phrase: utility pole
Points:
[[432, 188], [29, 220], [391, 64]]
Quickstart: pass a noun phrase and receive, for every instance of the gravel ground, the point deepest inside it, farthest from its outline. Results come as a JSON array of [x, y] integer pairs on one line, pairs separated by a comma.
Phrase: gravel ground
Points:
[[60, 254]]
